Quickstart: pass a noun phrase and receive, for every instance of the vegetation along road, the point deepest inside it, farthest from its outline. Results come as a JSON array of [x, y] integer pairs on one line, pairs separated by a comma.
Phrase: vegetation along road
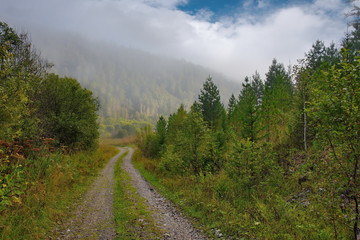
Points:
[[93, 218], [166, 216]]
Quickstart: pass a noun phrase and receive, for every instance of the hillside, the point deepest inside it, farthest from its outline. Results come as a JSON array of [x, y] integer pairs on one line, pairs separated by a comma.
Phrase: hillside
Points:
[[129, 83]]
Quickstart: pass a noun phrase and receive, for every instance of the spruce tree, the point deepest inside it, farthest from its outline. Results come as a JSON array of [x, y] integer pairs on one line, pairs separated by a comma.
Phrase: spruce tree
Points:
[[246, 111], [211, 107], [276, 104]]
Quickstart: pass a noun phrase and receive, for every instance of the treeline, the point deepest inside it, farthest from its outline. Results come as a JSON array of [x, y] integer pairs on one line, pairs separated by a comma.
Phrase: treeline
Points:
[[36, 104], [40, 114], [284, 154], [130, 84], [120, 128]]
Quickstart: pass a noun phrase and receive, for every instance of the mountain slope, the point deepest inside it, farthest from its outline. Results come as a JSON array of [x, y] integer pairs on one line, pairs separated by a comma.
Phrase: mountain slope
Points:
[[130, 83]]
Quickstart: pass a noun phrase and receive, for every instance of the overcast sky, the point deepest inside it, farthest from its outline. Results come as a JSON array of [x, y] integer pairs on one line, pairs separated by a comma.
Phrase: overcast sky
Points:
[[234, 37]]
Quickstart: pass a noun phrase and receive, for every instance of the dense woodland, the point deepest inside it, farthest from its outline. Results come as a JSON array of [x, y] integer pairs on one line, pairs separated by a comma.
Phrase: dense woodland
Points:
[[281, 160], [36, 103], [40, 113]]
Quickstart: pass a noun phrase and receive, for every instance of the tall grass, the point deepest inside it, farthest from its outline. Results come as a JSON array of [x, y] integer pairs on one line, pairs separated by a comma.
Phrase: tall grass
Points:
[[55, 183]]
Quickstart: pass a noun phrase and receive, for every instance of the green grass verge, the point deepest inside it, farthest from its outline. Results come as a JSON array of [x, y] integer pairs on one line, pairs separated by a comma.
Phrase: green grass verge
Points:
[[182, 192], [55, 183], [196, 197], [264, 215], [132, 217]]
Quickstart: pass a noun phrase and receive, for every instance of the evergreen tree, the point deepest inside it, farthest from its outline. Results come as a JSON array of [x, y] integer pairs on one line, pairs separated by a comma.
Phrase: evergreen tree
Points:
[[232, 116], [258, 87], [195, 142], [248, 111], [231, 105], [161, 130], [277, 103], [196, 107], [211, 107], [352, 39], [176, 121]]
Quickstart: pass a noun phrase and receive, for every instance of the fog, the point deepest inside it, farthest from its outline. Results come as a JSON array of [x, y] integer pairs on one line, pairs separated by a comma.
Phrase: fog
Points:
[[236, 45], [130, 83]]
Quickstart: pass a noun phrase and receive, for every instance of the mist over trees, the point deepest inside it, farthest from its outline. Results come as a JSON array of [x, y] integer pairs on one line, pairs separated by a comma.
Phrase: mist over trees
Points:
[[130, 84]]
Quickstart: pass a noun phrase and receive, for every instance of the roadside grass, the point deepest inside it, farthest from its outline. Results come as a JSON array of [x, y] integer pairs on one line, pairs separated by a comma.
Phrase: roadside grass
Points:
[[55, 184], [265, 214], [182, 192], [132, 217], [195, 196]]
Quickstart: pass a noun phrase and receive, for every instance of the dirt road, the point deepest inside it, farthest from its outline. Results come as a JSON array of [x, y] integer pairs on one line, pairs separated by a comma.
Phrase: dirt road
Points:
[[94, 217], [176, 226]]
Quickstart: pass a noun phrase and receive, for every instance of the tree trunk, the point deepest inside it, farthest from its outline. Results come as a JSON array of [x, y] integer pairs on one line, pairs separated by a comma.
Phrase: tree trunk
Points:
[[305, 125]]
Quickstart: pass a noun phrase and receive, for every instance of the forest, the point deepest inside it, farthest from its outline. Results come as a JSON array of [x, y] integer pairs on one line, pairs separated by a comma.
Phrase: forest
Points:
[[130, 83], [280, 161]]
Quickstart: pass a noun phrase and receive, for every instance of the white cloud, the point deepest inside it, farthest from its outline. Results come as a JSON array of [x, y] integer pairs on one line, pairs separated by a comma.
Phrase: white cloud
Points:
[[204, 15], [236, 46], [164, 3]]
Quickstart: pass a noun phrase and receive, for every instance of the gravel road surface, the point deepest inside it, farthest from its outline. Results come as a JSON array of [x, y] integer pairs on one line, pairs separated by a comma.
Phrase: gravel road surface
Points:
[[175, 225], [94, 218]]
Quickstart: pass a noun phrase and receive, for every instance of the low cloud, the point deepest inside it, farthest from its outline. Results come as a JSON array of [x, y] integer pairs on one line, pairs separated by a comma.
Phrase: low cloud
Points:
[[236, 45]]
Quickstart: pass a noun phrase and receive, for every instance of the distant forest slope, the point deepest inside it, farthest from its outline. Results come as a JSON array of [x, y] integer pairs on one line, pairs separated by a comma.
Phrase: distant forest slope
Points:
[[130, 83]]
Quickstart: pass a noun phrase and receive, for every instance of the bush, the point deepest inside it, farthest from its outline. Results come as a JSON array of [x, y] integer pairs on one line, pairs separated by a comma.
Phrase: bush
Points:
[[68, 112], [35, 194], [171, 163], [251, 166]]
